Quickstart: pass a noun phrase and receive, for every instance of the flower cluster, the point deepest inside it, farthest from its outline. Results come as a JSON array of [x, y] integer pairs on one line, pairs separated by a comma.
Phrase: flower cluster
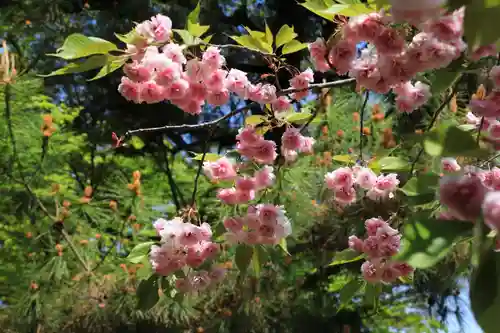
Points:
[[253, 146], [390, 62], [246, 187], [382, 243], [200, 280], [449, 164], [164, 73], [293, 142], [343, 181], [263, 224], [182, 244]]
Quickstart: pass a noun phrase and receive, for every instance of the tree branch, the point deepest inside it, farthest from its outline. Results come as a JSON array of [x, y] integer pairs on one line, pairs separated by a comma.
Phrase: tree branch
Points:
[[361, 124]]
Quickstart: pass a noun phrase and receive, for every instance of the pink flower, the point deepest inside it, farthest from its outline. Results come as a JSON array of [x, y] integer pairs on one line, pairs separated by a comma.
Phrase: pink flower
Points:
[[485, 108], [130, 90], [194, 70], [472, 119], [389, 274], [169, 75], [495, 76], [233, 224], [318, 48], [302, 80], [292, 139], [215, 80], [268, 93], [491, 210], [372, 271], [152, 92], [339, 179], [373, 225], [446, 27], [321, 65], [307, 146], [342, 55], [463, 195], [177, 90], [158, 29], [137, 72], [174, 52], [154, 60], [270, 214], [264, 152], [483, 51], [237, 82], [245, 184], [192, 107], [212, 58], [264, 178], [355, 244], [415, 12], [281, 104], [197, 91], [222, 169], [345, 195], [403, 268], [255, 92], [450, 164], [412, 97], [218, 98], [228, 195], [364, 28], [387, 183], [159, 225], [366, 178], [248, 137], [289, 155], [389, 42]]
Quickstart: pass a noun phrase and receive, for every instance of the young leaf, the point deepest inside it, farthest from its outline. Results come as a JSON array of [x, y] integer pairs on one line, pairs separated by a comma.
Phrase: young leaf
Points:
[[345, 257], [113, 63], [147, 293], [372, 294], [137, 142], [193, 17], [349, 290], [259, 259], [250, 43], [283, 246], [88, 64], [209, 157], [297, 117], [292, 47], [394, 164], [269, 36], [443, 79], [243, 257], [130, 38], [78, 46], [347, 159], [187, 37], [255, 120], [285, 34], [427, 240], [423, 184], [139, 252], [197, 30]]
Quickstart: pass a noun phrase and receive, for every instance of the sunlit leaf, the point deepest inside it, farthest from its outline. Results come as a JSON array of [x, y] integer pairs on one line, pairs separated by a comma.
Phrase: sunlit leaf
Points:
[[139, 252], [209, 157], [78, 46], [285, 34], [255, 120], [113, 63], [345, 257], [147, 293], [293, 46], [88, 64]]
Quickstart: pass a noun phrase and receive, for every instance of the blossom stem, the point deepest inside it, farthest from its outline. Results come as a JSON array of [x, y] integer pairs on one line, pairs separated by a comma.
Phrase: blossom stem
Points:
[[361, 124], [200, 167]]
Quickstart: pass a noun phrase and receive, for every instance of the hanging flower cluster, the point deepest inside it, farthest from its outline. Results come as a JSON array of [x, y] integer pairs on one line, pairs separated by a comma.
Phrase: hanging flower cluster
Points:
[[382, 243], [293, 142], [391, 62], [263, 224], [182, 244], [343, 181]]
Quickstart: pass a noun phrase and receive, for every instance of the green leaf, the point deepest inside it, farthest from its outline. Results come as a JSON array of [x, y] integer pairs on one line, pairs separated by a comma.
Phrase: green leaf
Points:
[[131, 38], [250, 43], [481, 24], [137, 142], [187, 37], [243, 257], [452, 141], [255, 120], [145, 271], [297, 117], [78, 46], [269, 36], [347, 159], [292, 47], [485, 292], [193, 17], [427, 240], [422, 184], [138, 253], [345, 257], [261, 38], [147, 293], [113, 63], [88, 64], [209, 157], [197, 30], [283, 246], [339, 281], [285, 34], [392, 163], [259, 259], [349, 291], [372, 294], [443, 79]]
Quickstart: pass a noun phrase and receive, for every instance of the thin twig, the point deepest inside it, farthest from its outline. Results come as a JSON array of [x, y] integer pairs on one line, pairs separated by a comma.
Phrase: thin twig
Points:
[[74, 250], [361, 125], [200, 167], [431, 124], [333, 84]]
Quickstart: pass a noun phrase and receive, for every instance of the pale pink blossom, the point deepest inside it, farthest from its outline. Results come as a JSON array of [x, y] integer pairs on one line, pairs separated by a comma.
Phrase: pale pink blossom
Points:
[[130, 90], [137, 72], [245, 184], [268, 93], [372, 271], [177, 90], [483, 51], [281, 104], [302, 80], [215, 80], [450, 164], [212, 59], [446, 27], [491, 210], [292, 139], [366, 178], [174, 52], [218, 98], [495, 75], [264, 177], [307, 146], [345, 195], [364, 28], [355, 244], [388, 183], [410, 97], [264, 152], [340, 178], [472, 119], [237, 82], [234, 224], [373, 225], [389, 42], [462, 195], [228, 195], [318, 48], [289, 154], [151, 92], [197, 91], [342, 55], [415, 12], [222, 169], [169, 75], [158, 29], [194, 70], [154, 60]]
